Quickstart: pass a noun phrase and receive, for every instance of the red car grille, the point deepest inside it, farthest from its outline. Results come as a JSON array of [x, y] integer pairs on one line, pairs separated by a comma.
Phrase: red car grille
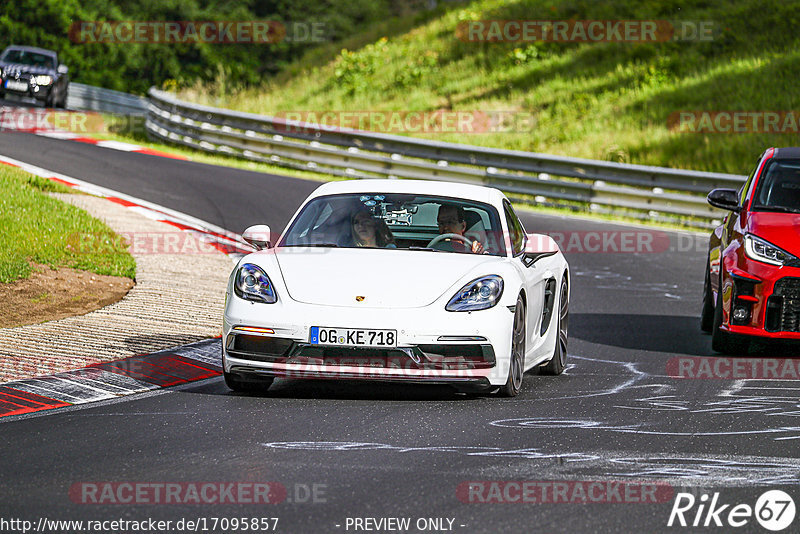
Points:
[[783, 307]]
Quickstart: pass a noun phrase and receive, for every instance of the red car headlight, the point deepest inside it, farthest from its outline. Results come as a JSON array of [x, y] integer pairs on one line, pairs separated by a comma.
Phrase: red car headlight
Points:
[[761, 250]]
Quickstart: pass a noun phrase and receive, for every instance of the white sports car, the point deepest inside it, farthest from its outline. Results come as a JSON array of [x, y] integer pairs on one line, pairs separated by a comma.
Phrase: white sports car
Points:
[[398, 280]]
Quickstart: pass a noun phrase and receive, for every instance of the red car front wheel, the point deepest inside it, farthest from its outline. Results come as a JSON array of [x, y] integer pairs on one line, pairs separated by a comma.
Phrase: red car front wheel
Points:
[[722, 341], [707, 315]]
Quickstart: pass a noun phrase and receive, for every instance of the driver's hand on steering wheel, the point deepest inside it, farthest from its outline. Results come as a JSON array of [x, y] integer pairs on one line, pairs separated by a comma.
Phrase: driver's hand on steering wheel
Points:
[[477, 247]]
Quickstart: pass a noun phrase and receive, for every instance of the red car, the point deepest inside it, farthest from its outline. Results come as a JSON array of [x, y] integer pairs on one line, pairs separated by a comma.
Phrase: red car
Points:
[[752, 287]]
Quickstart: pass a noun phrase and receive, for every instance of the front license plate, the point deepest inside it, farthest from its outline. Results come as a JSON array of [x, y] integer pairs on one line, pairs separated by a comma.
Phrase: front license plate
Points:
[[354, 337], [16, 86]]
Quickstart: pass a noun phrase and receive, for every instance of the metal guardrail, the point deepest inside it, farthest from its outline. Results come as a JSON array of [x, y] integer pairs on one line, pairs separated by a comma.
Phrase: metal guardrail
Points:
[[90, 98], [655, 193]]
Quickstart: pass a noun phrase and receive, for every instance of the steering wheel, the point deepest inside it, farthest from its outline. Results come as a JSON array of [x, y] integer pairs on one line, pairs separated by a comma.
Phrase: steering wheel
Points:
[[475, 236], [440, 238]]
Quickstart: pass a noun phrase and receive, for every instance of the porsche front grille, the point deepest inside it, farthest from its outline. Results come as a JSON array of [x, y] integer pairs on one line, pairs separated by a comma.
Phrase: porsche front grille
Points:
[[421, 357]]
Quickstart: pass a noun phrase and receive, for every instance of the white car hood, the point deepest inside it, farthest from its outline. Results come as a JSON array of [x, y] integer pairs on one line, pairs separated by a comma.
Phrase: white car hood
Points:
[[386, 278]]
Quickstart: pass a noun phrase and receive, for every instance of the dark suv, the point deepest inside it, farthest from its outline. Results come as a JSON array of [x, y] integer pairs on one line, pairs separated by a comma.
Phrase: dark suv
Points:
[[34, 73]]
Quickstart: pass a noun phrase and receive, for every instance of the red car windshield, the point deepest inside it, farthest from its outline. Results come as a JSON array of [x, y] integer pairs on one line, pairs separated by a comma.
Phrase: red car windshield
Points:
[[779, 187]]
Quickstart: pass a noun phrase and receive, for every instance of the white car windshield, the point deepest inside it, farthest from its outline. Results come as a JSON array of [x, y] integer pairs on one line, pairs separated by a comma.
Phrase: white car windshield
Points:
[[397, 221]]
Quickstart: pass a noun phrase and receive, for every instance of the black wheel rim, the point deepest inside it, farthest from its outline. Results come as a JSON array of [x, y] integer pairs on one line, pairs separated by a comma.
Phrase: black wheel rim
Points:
[[518, 347], [563, 324]]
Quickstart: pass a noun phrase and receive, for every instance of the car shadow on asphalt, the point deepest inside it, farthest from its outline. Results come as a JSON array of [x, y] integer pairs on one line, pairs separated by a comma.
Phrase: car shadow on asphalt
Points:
[[366, 390], [671, 334]]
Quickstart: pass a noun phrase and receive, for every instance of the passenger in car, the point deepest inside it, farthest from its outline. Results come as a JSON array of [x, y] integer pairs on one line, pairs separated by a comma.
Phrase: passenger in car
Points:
[[368, 231], [452, 220]]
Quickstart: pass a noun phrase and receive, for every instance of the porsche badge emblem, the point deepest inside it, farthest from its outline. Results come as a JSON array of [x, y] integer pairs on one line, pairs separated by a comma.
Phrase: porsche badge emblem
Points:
[[359, 298]]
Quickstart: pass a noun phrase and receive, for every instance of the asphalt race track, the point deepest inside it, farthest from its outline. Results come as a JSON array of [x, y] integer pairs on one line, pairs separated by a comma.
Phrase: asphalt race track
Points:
[[348, 451]]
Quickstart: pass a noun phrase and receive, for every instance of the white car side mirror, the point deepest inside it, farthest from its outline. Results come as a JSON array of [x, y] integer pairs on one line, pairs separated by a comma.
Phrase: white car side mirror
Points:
[[539, 246], [258, 236], [62, 69]]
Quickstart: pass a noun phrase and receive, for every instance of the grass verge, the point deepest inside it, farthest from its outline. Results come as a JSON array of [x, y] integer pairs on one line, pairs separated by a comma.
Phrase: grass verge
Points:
[[40, 229]]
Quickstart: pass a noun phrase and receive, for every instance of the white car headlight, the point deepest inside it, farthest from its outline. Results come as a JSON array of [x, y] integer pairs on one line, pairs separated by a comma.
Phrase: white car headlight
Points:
[[44, 80], [480, 294], [758, 249], [252, 283]]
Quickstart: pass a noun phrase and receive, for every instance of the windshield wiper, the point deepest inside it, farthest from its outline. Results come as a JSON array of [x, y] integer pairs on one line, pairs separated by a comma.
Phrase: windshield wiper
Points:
[[425, 248]]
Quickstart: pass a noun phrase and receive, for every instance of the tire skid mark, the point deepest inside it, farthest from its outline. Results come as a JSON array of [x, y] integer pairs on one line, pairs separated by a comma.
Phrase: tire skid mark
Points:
[[679, 469]]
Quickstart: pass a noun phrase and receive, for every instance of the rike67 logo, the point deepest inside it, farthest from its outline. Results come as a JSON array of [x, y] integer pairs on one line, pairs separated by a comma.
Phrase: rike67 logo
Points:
[[774, 510]]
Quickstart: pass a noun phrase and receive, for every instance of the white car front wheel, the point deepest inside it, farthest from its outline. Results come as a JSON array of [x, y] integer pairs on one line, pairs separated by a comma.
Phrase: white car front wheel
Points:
[[516, 365]]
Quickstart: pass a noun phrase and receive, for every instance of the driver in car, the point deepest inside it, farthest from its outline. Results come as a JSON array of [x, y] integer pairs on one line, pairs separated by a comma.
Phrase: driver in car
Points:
[[452, 220]]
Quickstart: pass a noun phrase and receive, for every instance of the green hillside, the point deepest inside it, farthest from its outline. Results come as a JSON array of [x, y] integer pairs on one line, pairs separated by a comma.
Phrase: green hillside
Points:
[[600, 100]]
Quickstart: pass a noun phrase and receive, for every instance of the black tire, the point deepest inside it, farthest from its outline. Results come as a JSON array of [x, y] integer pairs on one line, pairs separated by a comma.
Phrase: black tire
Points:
[[49, 102], [558, 362], [516, 368], [722, 341], [244, 384], [707, 314], [62, 102]]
